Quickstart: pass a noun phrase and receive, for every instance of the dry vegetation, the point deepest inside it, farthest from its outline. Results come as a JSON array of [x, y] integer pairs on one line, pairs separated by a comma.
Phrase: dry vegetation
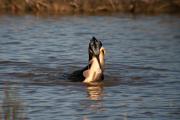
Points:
[[89, 6], [12, 107]]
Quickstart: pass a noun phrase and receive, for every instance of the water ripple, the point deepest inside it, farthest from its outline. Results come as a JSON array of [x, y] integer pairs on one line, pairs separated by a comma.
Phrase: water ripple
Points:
[[142, 67]]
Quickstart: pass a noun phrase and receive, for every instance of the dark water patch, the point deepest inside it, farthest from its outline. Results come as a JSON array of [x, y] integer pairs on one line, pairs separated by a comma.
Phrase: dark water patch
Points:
[[41, 83], [7, 36], [53, 78], [136, 78], [177, 36], [11, 43], [4, 62], [147, 68], [139, 83], [83, 33], [124, 66]]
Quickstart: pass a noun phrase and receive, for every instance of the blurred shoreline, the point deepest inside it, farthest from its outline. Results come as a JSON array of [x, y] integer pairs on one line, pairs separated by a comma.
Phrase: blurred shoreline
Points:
[[89, 6]]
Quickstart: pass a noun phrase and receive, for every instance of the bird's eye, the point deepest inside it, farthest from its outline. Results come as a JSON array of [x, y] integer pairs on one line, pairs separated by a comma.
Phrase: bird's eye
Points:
[[90, 51]]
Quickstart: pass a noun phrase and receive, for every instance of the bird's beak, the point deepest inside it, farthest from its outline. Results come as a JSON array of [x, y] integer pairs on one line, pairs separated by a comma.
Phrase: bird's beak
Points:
[[97, 57]]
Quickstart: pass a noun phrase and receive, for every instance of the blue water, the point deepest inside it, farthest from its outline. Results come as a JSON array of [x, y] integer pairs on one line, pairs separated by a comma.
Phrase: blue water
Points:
[[142, 74]]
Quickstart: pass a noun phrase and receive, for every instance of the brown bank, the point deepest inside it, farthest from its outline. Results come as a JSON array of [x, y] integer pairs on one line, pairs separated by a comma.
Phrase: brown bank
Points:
[[89, 6]]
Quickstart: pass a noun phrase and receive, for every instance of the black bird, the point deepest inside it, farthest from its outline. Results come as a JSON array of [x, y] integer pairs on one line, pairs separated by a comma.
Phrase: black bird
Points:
[[93, 72]]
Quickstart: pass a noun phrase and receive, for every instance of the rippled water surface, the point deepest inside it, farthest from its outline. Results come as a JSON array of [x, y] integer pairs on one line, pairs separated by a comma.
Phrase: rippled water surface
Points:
[[142, 76]]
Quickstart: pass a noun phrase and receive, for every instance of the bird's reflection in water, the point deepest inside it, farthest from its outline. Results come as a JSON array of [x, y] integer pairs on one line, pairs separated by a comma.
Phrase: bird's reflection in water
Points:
[[95, 95], [95, 91]]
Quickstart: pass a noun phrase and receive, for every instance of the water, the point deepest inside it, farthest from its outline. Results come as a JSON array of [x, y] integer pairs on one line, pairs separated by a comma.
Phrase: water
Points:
[[142, 75]]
